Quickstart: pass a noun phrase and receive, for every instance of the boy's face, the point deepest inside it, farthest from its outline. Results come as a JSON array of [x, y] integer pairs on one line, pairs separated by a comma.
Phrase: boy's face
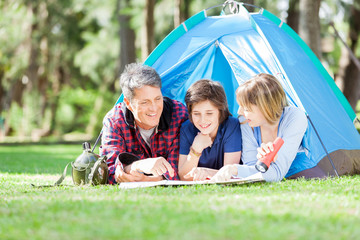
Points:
[[146, 106], [205, 117]]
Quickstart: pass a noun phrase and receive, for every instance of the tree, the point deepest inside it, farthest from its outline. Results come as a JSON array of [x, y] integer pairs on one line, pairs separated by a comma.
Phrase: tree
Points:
[[293, 15], [181, 11], [309, 25], [126, 35], [177, 13], [37, 63], [148, 39], [348, 78]]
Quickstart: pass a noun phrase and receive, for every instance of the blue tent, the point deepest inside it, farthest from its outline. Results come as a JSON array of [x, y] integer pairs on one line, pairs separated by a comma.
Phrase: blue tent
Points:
[[232, 48]]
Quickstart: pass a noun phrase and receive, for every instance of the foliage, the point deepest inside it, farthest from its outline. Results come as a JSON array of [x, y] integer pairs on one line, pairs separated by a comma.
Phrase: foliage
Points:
[[13, 60], [286, 210], [75, 104], [77, 49], [98, 57]]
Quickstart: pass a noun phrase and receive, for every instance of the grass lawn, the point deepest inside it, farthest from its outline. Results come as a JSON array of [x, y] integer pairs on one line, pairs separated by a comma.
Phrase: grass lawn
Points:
[[286, 210]]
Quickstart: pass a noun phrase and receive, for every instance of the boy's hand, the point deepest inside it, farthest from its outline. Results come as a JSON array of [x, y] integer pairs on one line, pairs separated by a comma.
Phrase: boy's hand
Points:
[[225, 173]]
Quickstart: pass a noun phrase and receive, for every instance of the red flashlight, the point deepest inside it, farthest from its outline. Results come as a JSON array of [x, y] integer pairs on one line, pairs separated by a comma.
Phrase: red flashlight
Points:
[[262, 165]]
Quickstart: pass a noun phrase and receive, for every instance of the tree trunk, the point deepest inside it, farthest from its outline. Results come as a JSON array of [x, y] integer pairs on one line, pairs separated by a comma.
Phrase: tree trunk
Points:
[[32, 72], [349, 75], [13, 96], [185, 13], [56, 87], [293, 15], [127, 36], [43, 79], [30, 96], [24, 88], [309, 25], [177, 13], [181, 11], [249, 8], [148, 39], [2, 90]]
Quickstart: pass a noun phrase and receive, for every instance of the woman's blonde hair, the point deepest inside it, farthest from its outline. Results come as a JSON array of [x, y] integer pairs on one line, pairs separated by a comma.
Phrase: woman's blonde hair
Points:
[[265, 92]]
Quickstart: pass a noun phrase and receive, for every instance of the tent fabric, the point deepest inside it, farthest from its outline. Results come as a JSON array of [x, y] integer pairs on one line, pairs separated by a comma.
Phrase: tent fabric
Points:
[[232, 48], [317, 63]]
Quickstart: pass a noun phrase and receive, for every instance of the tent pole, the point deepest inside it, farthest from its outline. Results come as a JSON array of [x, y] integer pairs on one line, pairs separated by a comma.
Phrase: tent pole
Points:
[[352, 55], [317, 134], [356, 120]]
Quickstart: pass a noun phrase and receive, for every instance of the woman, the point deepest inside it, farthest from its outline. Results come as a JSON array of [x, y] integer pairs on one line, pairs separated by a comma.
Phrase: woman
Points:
[[263, 103], [211, 138]]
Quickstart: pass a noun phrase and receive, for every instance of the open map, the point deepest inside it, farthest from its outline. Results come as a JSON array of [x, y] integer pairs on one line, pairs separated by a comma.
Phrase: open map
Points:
[[253, 178]]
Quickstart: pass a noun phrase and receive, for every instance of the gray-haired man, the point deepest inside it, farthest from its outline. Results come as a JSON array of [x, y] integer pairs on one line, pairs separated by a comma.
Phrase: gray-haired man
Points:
[[145, 124]]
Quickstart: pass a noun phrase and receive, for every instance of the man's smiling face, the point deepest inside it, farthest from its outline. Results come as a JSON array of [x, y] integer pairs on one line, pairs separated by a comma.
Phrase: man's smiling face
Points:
[[146, 106]]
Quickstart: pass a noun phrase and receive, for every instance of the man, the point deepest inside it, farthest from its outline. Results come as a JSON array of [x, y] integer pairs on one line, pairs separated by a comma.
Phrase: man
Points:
[[145, 124]]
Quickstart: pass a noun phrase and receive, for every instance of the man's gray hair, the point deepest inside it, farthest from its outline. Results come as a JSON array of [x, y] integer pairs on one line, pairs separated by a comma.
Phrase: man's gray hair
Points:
[[137, 76]]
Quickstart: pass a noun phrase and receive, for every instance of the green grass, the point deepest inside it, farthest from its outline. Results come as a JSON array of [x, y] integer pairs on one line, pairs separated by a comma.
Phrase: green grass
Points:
[[287, 210]]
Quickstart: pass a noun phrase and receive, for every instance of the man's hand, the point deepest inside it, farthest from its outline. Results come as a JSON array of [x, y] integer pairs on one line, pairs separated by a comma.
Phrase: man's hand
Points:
[[225, 173], [155, 166], [121, 176], [200, 174]]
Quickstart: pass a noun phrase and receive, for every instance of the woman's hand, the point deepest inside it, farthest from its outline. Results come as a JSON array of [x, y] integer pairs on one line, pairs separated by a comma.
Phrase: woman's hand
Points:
[[200, 173], [225, 173], [265, 149]]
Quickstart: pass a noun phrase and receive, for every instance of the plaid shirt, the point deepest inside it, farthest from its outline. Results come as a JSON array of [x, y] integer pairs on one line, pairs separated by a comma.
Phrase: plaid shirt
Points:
[[120, 134]]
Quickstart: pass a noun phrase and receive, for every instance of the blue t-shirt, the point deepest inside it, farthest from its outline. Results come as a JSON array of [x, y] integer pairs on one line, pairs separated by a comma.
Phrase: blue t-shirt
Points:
[[228, 139]]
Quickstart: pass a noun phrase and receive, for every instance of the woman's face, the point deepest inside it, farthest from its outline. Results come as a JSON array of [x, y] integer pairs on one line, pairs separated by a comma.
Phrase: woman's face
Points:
[[205, 117], [253, 116]]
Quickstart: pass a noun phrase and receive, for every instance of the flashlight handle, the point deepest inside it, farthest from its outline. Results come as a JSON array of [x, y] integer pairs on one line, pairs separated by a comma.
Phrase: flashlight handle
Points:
[[268, 158]]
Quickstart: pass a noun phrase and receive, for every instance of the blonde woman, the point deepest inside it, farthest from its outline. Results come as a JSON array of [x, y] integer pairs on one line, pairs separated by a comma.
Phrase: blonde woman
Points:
[[263, 104]]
